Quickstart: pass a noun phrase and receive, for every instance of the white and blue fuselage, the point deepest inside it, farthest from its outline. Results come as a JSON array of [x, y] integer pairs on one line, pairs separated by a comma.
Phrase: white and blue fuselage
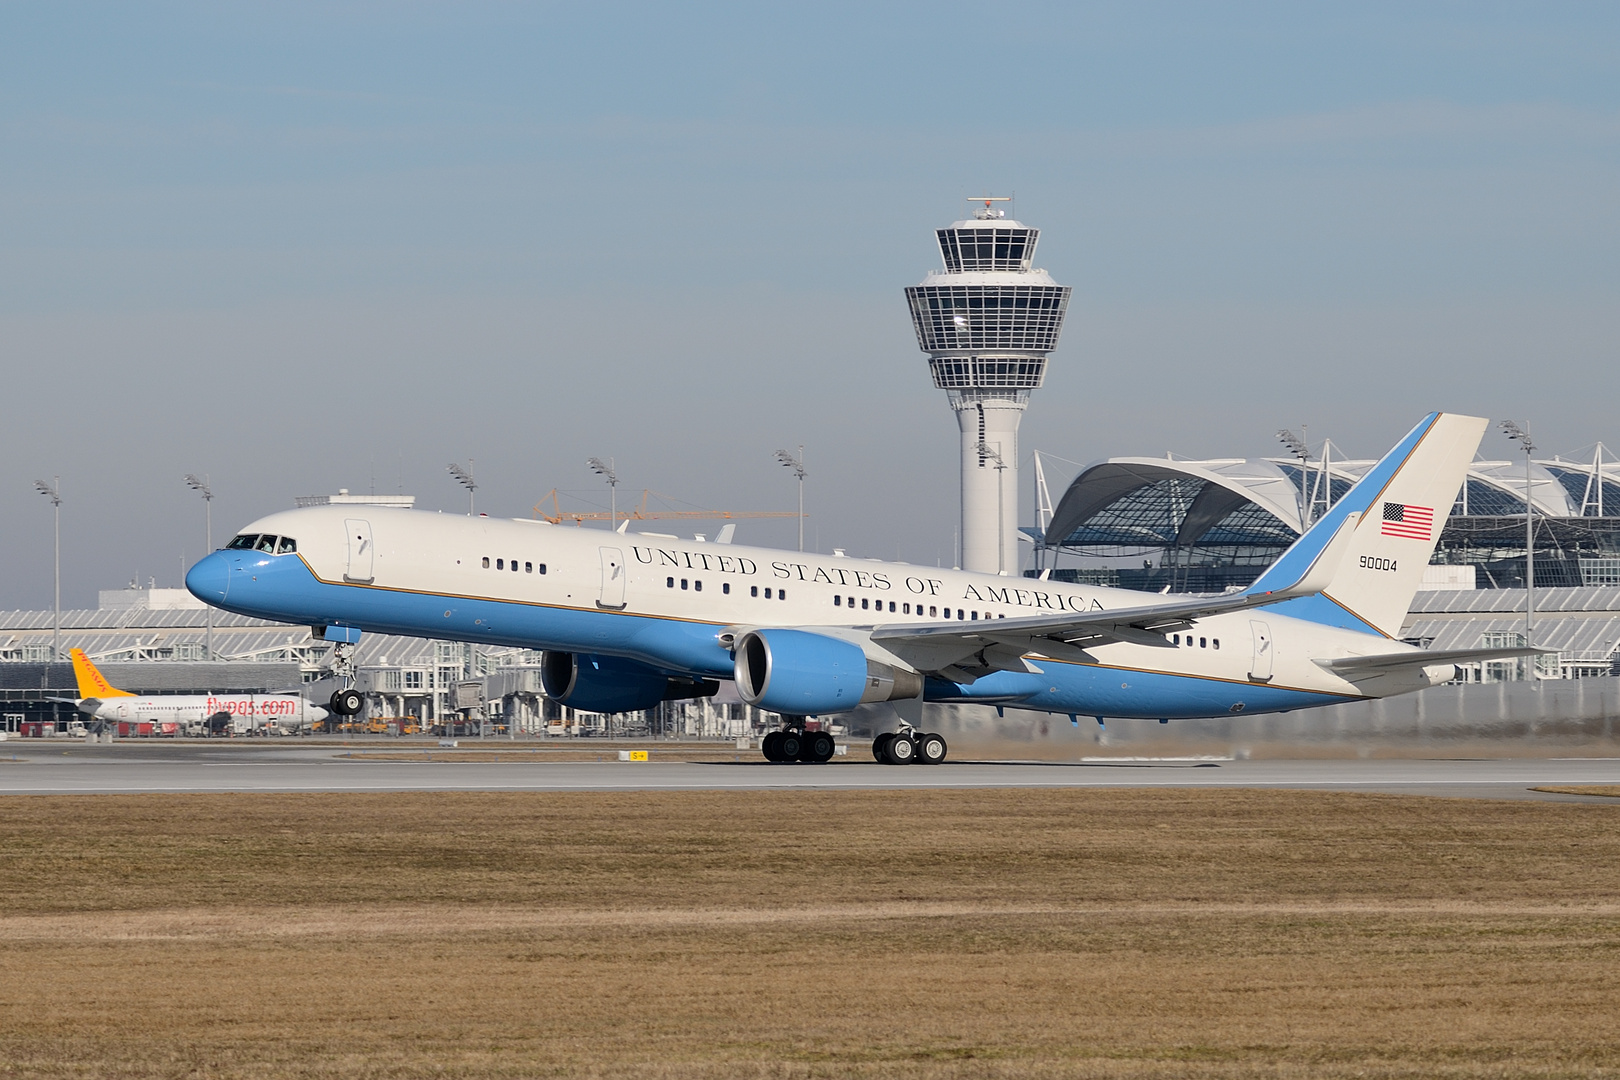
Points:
[[678, 605], [637, 618]]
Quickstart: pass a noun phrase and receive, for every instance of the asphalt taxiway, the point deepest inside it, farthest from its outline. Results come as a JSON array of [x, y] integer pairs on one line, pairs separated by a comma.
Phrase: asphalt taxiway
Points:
[[52, 768]]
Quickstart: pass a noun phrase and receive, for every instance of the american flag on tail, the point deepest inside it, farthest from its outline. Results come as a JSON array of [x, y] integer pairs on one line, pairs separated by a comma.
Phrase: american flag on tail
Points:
[[1412, 522]]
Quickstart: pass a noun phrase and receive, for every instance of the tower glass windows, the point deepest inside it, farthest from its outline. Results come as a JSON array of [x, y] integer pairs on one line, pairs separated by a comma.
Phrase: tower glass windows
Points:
[[952, 317], [969, 249]]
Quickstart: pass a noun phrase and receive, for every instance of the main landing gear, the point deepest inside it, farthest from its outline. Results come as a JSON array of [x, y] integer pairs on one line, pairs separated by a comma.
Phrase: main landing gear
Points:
[[794, 744], [907, 747]]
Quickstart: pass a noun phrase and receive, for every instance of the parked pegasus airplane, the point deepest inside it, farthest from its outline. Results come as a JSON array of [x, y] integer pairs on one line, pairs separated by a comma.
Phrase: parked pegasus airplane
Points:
[[628, 621], [100, 700]]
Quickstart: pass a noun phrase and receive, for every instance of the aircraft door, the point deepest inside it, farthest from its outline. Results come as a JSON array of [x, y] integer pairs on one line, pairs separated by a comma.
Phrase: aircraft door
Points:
[[612, 579], [360, 551], [1260, 666]]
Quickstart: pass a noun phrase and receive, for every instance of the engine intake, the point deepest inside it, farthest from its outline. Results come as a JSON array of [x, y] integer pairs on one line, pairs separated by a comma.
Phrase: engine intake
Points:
[[611, 684], [805, 674]]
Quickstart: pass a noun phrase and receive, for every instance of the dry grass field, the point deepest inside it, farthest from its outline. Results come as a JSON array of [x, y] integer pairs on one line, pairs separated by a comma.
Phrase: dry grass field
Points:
[[918, 934]]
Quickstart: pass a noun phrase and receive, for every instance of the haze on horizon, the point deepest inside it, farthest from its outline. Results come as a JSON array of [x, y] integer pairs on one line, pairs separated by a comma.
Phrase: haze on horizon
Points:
[[300, 247]]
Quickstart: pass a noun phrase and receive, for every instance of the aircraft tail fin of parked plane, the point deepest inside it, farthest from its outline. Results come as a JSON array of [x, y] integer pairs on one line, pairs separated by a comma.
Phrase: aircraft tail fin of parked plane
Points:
[[1393, 515], [92, 683]]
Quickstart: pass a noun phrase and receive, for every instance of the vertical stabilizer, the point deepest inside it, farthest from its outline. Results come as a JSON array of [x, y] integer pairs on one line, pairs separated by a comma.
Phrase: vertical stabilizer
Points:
[[92, 683], [1402, 503], [1401, 524]]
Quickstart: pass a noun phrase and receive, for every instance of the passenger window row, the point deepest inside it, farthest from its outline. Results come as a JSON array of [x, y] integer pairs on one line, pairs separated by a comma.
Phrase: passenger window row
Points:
[[696, 585], [868, 604], [528, 567], [1203, 643], [270, 545]]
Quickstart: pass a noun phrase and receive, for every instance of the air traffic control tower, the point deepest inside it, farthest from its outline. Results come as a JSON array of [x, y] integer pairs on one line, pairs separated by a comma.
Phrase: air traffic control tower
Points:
[[987, 322]]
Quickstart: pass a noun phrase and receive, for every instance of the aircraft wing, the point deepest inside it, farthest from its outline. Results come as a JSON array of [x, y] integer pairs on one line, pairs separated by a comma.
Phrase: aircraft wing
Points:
[[1386, 663], [965, 651]]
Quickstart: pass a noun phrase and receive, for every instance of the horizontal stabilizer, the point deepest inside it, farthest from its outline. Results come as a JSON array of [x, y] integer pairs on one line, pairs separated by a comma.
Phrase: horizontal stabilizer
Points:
[[1384, 663]]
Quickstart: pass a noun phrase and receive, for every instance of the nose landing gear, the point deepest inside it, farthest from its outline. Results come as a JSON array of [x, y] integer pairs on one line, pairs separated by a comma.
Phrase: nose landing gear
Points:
[[794, 744], [347, 701]]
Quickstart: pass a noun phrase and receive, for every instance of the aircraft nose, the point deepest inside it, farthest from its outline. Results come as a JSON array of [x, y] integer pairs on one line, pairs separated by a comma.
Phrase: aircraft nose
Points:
[[210, 579]]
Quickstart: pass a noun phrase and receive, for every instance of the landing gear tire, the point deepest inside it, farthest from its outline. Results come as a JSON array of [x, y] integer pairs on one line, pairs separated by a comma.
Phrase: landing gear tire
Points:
[[792, 746], [931, 749], [880, 747], [818, 747], [347, 702], [901, 749], [771, 746]]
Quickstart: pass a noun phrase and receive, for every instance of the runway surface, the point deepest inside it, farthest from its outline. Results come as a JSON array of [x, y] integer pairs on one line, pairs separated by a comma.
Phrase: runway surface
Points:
[[52, 768]]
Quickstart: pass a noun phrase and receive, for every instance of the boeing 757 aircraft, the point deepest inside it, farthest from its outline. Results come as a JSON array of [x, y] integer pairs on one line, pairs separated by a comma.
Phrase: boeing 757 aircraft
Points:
[[100, 700], [627, 621]]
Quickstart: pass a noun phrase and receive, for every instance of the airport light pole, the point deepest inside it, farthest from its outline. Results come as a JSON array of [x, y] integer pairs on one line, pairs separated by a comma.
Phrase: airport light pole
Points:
[[53, 492], [200, 486], [788, 461], [1297, 447], [986, 450], [1522, 437], [464, 477], [605, 470]]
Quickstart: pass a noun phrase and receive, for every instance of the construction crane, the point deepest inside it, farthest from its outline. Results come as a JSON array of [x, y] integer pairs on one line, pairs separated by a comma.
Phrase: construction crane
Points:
[[558, 515]]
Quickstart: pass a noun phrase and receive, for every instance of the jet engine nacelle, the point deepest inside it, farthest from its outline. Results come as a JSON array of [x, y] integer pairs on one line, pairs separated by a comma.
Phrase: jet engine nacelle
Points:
[[611, 684], [805, 674]]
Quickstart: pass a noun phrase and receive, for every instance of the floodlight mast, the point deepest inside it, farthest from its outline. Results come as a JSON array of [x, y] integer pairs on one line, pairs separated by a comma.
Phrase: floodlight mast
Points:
[[1300, 450], [200, 486], [607, 472], [1522, 437], [53, 492], [464, 477], [788, 461]]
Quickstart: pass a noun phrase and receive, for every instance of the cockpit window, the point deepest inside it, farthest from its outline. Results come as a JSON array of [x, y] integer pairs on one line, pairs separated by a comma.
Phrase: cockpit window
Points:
[[267, 543], [288, 546], [245, 542]]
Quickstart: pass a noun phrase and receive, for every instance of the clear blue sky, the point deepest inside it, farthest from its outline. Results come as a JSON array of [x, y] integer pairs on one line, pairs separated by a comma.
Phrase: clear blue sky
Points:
[[299, 247]]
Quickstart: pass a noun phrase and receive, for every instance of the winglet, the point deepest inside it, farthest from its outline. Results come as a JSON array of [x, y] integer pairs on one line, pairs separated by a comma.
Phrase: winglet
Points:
[[92, 683]]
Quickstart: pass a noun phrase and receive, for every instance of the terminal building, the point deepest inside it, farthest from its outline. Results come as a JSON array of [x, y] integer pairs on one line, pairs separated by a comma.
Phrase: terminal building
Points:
[[1185, 526], [1205, 526], [162, 641]]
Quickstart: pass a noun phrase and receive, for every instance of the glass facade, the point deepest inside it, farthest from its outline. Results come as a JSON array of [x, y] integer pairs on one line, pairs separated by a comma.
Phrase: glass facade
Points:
[[1488, 500], [1150, 518], [968, 249], [1578, 482], [963, 372], [1309, 484], [973, 317]]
